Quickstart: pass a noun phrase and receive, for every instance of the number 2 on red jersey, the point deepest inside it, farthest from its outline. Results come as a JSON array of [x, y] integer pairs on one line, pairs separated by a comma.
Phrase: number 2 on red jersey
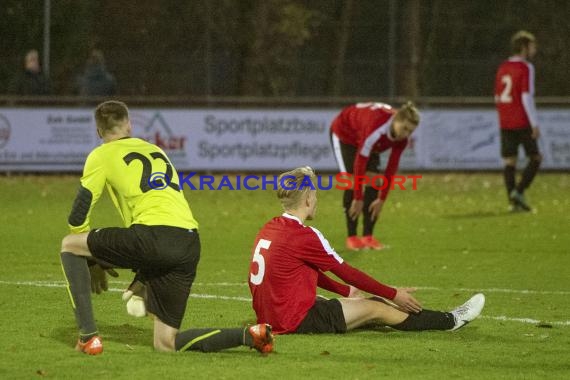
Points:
[[506, 94]]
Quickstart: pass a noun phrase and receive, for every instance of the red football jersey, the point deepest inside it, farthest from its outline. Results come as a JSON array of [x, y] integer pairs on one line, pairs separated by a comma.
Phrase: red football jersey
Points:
[[514, 91], [284, 271], [367, 127]]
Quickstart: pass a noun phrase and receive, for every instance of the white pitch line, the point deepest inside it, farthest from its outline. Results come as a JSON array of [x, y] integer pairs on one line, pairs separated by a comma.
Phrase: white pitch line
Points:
[[220, 297], [237, 284], [41, 284], [497, 290], [526, 320], [61, 284], [194, 283]]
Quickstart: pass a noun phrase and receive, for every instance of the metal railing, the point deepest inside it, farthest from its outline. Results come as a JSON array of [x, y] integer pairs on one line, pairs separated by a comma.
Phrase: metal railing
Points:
[[258, 102]]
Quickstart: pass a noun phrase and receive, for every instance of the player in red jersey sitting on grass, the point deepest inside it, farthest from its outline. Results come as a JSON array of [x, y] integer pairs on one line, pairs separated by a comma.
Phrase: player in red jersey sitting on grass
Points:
[[289, 263]]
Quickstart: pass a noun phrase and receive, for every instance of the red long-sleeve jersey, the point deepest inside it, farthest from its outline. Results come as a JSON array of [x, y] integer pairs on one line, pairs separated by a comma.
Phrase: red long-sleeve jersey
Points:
[[288, 263], [367, 127]]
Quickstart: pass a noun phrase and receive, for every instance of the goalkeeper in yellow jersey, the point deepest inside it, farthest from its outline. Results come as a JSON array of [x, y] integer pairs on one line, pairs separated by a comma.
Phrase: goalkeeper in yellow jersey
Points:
[[160, 241]]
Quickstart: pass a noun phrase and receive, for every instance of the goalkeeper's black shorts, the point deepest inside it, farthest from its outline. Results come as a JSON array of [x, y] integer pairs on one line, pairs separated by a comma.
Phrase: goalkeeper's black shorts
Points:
[[165, 256]]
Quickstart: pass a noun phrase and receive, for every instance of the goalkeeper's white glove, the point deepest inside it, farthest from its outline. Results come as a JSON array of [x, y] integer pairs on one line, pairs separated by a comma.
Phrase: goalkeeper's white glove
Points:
[[135, 296]]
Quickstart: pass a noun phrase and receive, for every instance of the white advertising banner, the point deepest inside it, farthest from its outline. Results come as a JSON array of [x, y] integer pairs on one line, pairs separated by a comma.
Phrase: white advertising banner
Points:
[[464, 139], [59, 139], [45, 139], [239, 139], [555, 139], [471, 140]]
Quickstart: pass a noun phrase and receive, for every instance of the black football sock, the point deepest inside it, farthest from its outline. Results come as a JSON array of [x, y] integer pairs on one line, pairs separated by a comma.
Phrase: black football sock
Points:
[[427, 320], [528, 175], [509, 174], [346, 202], [370, 195], [211, 340], [79, 288]]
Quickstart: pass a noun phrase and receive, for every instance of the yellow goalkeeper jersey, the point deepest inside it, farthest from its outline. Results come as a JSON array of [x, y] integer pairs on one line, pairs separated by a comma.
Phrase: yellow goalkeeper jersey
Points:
[[131, 169]]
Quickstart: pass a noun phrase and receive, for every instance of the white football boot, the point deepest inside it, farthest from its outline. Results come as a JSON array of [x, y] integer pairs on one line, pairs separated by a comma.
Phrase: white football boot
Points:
[[468, 311]]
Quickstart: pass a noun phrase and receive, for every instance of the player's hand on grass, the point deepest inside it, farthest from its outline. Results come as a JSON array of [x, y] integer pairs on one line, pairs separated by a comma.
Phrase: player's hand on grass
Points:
[[535, 133], [375, 208], [99, 278], [355, 208], [406, 301]]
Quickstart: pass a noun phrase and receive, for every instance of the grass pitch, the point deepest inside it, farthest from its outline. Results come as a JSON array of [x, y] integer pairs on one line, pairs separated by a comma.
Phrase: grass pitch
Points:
[[451, 238]]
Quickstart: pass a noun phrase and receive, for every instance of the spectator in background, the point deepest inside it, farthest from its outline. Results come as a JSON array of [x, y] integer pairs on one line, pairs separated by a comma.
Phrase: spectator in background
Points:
[[514, 99], [30, 81], [96, 80]]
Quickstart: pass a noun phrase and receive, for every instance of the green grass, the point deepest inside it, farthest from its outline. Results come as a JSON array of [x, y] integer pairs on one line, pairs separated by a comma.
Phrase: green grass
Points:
[[450, 238]]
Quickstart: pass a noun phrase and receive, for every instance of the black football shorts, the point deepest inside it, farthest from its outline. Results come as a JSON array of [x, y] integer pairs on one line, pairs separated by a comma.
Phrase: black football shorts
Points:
[[166, 257], [325, 317], [512, 138]]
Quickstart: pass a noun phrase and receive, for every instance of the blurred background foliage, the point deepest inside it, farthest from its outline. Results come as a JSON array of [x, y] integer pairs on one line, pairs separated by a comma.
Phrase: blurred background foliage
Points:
[[268, 48]]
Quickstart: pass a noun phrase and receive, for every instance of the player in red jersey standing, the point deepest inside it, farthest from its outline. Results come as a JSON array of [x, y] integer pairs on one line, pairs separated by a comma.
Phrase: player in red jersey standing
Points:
[[358, 135], [514, 98], [289, 263]]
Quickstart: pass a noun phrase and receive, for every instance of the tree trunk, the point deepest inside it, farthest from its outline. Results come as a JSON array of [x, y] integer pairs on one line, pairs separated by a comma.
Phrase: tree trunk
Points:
[[343, 38], [411, 49]]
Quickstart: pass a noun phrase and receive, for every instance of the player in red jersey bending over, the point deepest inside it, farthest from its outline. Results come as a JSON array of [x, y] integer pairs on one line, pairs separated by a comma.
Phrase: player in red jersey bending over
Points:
[[358, 135], [289, 263], [514, 98]]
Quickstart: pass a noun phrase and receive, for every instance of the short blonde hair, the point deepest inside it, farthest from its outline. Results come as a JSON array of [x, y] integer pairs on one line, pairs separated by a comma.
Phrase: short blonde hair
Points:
[[521, 40], [292, 186], [409, 112]]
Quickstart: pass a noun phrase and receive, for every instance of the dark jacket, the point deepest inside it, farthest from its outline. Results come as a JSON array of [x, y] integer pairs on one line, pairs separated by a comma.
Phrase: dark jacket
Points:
[[29, 83], [97, 81]]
